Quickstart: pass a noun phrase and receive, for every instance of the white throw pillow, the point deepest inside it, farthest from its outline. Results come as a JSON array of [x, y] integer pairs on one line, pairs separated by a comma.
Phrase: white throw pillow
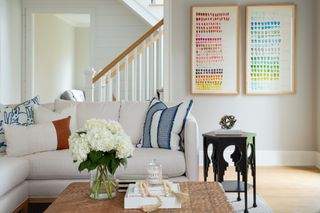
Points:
[[24, 140], [32, 139], [44, 115]]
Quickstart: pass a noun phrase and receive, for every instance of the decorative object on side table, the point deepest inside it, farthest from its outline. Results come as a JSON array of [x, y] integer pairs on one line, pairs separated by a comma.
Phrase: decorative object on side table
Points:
[[101, 147], [227, 121]]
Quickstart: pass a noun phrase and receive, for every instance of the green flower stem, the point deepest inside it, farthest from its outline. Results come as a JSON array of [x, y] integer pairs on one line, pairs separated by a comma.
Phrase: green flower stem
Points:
[[102, 180]]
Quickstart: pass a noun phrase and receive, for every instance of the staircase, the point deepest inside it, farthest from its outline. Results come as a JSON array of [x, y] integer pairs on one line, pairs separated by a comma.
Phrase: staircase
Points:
[[136, 74]]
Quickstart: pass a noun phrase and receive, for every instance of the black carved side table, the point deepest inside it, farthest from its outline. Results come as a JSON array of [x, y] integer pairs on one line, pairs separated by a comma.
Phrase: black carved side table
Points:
[[240, 157]]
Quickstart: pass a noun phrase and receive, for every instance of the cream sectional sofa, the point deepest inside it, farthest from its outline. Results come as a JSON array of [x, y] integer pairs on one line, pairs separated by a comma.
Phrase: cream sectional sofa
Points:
[[45, 175]]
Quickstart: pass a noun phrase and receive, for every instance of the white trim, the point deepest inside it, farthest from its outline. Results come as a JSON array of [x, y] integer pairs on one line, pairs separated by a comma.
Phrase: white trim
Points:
[[280, 158], [73, 23], [167, 47], [141, 11], [318, 160], [27, 75]]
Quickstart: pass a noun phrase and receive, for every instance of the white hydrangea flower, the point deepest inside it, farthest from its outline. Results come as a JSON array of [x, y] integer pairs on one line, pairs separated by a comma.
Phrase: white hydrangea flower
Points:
[[115, 127], [100, 135], [79, 147], [124, 147], [100, 139], [96, 123]]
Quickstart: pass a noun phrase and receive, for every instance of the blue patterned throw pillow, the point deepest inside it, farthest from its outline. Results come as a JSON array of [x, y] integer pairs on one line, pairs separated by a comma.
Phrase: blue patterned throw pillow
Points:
[[163, 125], [21, 115]]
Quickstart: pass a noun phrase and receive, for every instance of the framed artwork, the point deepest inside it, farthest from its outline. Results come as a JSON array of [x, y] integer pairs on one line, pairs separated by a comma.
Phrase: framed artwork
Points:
[[270, 49], [215, 50]]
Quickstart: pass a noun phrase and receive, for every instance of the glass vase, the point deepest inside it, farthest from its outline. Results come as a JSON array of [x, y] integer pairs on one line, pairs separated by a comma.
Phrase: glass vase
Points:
[[103, 185]]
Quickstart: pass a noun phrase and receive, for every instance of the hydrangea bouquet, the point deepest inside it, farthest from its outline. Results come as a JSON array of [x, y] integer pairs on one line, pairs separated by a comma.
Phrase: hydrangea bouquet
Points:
[[101, 147]]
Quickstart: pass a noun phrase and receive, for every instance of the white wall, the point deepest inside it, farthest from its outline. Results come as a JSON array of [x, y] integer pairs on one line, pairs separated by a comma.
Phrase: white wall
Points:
[[53, 57], [82, 55], [281, 122], [317, 82], [115, 26], [10, 51]]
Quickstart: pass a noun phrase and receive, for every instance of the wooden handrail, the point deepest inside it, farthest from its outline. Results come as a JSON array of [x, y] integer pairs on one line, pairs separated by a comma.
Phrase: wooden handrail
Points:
[[131, 58], [127, 51]]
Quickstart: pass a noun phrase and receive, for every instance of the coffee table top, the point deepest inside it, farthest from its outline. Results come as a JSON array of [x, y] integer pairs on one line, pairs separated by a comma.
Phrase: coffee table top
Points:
[[203, 197]]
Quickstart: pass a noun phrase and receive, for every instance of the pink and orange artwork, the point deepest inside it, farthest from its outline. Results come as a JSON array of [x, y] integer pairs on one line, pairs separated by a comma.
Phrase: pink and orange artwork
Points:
[[215, 50]]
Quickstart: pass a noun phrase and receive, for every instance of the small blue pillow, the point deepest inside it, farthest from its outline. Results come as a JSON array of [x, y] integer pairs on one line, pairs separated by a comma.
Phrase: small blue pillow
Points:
[[163, 125], [21, 115]]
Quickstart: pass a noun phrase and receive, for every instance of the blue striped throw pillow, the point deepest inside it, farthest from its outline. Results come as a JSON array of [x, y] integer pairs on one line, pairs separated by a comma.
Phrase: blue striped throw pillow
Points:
[[21, 114], [163, 125]]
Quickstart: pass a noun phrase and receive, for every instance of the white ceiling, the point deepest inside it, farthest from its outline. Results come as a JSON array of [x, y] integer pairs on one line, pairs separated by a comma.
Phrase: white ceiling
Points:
[[76, 20]]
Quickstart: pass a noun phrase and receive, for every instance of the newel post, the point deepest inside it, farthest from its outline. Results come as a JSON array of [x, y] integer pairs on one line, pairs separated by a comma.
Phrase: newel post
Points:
[[89, 88]]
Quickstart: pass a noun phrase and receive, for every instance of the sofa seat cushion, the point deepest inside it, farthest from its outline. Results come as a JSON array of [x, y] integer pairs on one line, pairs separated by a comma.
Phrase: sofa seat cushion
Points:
[[173, 162], [54, 165], [13, 172]]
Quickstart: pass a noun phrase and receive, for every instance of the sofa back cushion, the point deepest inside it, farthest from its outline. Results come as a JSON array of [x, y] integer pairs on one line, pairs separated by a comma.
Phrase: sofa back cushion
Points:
[[132, 116], [103, 110]]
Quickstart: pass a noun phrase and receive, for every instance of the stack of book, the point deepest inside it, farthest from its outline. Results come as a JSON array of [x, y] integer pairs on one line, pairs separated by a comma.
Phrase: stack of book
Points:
[[134, 199], [228, 132], [124, 181]]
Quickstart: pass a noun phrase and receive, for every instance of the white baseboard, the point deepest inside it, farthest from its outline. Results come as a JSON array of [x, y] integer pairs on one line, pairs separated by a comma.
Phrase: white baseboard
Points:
[[280, 158], [318, 160]]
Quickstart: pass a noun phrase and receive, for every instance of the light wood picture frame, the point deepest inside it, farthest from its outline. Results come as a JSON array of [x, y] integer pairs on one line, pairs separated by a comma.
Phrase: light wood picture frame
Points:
[[270, 49], [215, 33]]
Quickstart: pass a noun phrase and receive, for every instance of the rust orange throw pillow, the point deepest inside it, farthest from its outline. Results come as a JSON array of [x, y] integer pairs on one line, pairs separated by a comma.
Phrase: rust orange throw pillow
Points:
[[63, 132]]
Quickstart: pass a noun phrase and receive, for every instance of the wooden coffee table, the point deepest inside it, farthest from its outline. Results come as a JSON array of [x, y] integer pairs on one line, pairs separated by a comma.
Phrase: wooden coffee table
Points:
[[203, 197]]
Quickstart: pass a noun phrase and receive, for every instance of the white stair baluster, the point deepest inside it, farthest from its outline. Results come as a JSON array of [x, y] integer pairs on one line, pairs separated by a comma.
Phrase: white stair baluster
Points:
[[108, 87], [89, 87], [160, 71], [133, 75], [102, 90], [139, 80], [155, 64], [126, 78], [118, 77], [147, 77]]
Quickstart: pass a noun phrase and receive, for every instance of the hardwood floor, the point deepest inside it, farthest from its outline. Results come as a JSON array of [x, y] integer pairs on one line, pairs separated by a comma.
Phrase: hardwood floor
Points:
[[285, 189]]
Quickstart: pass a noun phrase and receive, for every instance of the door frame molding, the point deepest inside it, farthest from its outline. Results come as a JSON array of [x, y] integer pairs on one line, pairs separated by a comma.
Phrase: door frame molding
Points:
[[167, 60], [27, 71]]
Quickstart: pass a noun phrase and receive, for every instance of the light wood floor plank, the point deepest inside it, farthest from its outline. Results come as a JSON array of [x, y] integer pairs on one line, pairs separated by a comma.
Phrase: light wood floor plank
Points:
[[286, 189]]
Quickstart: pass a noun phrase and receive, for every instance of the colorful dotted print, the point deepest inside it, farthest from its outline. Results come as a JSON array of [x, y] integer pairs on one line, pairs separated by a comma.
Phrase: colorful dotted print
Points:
[[209, 51], [209, 79], [264, 50]]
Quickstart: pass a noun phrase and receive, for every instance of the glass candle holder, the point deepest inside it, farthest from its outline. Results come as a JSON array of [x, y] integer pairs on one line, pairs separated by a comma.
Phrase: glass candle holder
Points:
[[154, 172]]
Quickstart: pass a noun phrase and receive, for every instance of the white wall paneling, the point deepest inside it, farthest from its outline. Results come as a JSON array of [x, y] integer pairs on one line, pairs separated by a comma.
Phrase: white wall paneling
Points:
[[113, 28], [10, 51]]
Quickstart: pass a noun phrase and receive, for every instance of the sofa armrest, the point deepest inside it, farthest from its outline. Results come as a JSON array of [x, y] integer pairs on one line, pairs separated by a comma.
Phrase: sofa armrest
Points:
[[191, 148]]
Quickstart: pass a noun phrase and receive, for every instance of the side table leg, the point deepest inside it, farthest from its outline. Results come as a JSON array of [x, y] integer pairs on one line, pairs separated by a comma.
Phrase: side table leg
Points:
[[206, 160], [245, 177], [238, 183], [254, 173]]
